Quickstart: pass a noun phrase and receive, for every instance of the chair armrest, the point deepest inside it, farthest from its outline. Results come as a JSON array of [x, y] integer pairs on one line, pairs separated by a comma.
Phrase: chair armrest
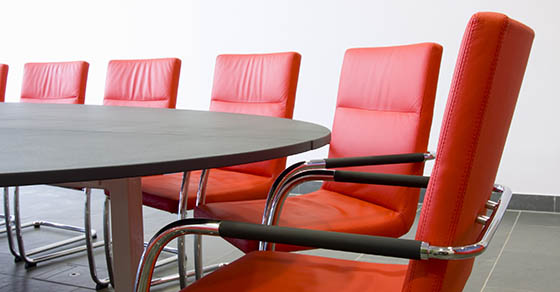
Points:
[[344, 162], [279, 184], [273, 209], [387, 246], [381, 178], [377, 160]]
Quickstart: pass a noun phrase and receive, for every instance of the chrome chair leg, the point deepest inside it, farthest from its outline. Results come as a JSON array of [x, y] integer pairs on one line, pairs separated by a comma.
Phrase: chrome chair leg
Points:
[[8, 224], [107, 238], [24, 255], [99, 284], [181, 255], [198, 266], [200, 200]]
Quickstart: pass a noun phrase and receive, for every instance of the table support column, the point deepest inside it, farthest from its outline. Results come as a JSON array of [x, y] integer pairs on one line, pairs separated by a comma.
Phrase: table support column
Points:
[[127, 230]]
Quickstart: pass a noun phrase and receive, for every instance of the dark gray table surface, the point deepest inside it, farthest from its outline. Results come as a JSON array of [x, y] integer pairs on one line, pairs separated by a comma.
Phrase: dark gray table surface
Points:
[[48, 143]]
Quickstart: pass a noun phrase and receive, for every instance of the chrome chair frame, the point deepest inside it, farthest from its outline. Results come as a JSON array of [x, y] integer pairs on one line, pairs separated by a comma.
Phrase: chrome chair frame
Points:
[[292, 178], [422, 250], [25, 255], [4, 221], [281, 188]]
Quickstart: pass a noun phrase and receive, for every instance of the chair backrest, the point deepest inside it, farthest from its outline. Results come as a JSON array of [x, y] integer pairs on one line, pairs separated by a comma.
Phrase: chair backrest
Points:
[[385, 105], [144, 83], [59, 82], [258, 84], [482, 98], [3, 79]]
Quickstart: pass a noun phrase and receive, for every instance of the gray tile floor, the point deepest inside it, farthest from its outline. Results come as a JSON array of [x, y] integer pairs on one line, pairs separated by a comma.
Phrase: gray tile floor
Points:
[[523, 256]]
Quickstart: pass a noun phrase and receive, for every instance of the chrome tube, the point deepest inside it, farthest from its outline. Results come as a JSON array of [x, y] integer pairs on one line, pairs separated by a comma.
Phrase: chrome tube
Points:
[[28, 262], [190, 273], [283, 177], [183, 199], [200, 200], [23, 225], [202, 184], [283, 192], [38, 223], [54, 245], [156, 245], [487, 233], [99, 284], [429, 155], [107, 239], [9, 225]]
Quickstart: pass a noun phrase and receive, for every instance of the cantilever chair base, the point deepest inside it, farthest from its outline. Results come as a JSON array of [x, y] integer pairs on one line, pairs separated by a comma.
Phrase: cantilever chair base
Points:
[[41, 252]]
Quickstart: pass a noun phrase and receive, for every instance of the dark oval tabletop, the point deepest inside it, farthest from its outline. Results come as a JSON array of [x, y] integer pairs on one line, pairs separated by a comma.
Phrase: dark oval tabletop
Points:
[[55, 143]]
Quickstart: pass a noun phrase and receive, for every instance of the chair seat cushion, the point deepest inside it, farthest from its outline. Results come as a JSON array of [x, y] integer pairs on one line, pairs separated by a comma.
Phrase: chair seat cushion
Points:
[[162, 191], [322, 210], [279, 271]]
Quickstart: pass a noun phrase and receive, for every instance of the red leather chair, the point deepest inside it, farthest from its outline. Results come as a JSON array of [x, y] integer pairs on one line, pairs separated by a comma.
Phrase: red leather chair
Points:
[[453, 223], [136, 83], [3, 78], [263, 84], [144, 83], [61, 82], [385, 105], [259, 84]]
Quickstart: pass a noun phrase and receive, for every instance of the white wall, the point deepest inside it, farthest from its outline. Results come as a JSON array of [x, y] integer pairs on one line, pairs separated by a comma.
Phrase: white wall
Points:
[[321, 30], [96, 32]]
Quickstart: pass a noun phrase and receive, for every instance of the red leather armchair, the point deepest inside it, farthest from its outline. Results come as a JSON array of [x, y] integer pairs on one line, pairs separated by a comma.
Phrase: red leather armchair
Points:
[[136, 83], [385, 105], [260, 84], [453, 228]]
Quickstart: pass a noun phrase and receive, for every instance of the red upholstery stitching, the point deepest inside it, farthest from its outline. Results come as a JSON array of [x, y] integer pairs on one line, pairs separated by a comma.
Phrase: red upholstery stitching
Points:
[[437, 285], [443, 139], [476, 135]]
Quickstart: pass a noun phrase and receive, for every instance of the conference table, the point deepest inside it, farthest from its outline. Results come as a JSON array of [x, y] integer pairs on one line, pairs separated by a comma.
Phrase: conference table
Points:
[[112, 147]]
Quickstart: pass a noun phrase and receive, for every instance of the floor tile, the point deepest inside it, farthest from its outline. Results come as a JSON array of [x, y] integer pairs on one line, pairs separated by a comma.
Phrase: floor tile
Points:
[[19, 284], [481, 269], [530, 202], [76, 276], [540, 219], [535, 239], [527, 271], [503, 289]]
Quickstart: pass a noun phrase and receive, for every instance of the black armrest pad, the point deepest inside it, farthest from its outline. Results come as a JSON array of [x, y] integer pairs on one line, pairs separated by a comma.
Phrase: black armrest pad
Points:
[[386, 246], [381, 178], [374, 160]]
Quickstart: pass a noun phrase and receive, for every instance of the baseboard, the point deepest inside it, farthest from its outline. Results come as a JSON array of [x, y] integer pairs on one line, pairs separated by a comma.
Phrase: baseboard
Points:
[[518, 201]]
